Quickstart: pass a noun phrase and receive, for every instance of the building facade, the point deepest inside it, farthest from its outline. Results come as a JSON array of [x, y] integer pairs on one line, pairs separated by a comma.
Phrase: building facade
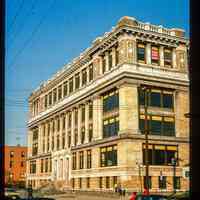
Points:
[[15, 165], [86, 126]]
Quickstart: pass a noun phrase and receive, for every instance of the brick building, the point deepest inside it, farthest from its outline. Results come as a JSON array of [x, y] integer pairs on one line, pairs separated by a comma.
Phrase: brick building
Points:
[[86, 126], [15, 164]]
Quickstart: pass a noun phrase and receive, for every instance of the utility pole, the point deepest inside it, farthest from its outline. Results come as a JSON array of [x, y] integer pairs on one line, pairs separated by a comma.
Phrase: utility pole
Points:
[[146, 142]]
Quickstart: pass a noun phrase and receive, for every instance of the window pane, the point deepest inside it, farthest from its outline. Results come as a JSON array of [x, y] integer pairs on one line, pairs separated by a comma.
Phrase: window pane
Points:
[[170, 155], [167, 100], [159, 157], [155, 99], [168, 128], [156, 127]]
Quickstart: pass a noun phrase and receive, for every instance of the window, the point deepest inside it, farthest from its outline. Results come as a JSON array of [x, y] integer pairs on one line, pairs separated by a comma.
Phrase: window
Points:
[[50, 165], [160, 154], [110, 60], [110, 101], [80, 182], [22, 163], [73, 182], [103, 64], [91, 72], [114, 180], [71, 85], [58, 124], [162, 180], [89, 159], [58, 142], [111, 127], [69, 139], [177, 182], [74, 160], [75, 137], [11, 154], [155, 55], [52, 143], [157, 97], [63, 140], [77, 81], [54, 95], [59, 92], [83, 114], [149, 182], [63, 124], [81, 160], [100, 182], [33, 167], [107, 182], [117, 57], [42, 166], [76, 117], [158, 125], [90, 110], [90, 132], [50, 98], [108, 156], [45, 101], [141, 52], [82, 135], [88, 182], [69, 119], [65, 89], [167, 57], [11, 163], [46, 164], [84, 77], [22, 154]]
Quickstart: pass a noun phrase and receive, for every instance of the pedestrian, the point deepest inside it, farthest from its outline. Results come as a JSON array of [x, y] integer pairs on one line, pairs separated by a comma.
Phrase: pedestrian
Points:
[[133, 196], [116, 188], [124, 192]]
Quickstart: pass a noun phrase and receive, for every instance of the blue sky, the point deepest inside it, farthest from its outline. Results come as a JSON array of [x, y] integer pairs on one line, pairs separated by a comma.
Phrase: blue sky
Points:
[[43, 35]]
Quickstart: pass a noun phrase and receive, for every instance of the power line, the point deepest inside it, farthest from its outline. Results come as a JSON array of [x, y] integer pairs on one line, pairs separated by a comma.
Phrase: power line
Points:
[[16, 15], [22, 26], [32, 35]]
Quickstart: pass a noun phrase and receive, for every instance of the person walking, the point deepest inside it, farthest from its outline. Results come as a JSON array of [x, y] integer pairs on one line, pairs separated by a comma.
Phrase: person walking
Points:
[[133, 196]]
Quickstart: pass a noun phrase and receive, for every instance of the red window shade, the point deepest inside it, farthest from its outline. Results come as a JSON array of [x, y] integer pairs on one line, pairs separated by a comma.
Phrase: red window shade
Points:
[[154, 53]]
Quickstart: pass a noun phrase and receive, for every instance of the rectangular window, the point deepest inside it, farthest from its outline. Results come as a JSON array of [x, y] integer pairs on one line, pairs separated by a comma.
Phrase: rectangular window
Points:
[[81, 160], [42, 166], [155, 98], [74, 160], [149, 182], [107, 182], [46, 164], [11, 163], [103, 64], [110, 60], [108, 156], [162, 180], [89, 159], [82, 135], [58, 124], [69, 119], [177, 182], [76, 117], [160, 154], [75, 137], [84, 77], [100, 182], [155, 55], [90, 110], [141, 52], [91, 72], [73, 183], [77, 81], [80, 182], [59, 92], [88, 182], [167, 99], [65, 89], [54, 95], [45, 101], [83, 114], [110, 101], [117, 57], [111, 127], [71, 85], [90, 132], [50, 98], [63, 124], [33, 167], [167, 57], [63, 140], [69, 139], [114, 181]]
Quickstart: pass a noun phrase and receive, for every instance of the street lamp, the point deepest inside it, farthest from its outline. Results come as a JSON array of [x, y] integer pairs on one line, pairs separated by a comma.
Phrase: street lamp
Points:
[[174, 161]]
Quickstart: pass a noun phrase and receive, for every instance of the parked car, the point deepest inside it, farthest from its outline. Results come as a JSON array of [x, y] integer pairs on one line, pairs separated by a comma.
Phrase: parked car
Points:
[[152, 197]]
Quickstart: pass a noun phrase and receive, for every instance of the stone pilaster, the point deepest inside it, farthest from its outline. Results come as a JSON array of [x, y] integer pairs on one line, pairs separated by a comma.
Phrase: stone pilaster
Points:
[[174, 58], [148, 54], [97, 117], [107, 60], [66, 130], [127, 49], [128, 109], [113, 57], [86, 123], [161, 54], [80, 81], [181, 58], [39, 139], [61, 130], [87, 74], [50, 136], [72, 129], [30, 142], [46, 132], [79, 125], [97, 66]]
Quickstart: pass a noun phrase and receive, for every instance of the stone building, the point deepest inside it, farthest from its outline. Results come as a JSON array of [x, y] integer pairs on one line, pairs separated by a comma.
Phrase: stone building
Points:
[[86, 126]]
